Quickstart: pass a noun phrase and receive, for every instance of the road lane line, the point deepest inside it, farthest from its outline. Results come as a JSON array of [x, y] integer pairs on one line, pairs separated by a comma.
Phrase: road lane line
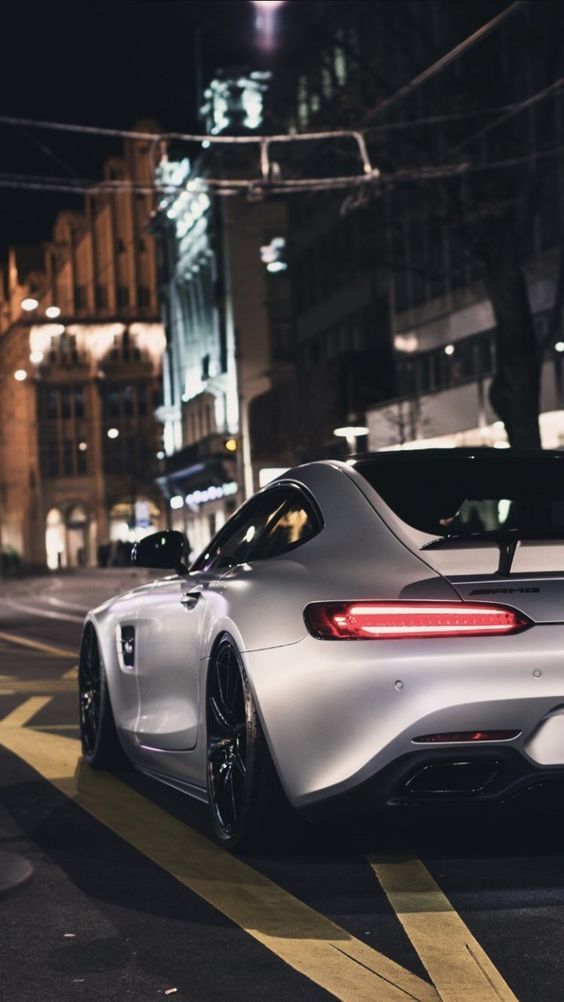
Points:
[[63, 604], [35, 610], [25, 712], [56, 727], [71, 673], [42, 686], [304, 939], [456, 963], [38, 645]]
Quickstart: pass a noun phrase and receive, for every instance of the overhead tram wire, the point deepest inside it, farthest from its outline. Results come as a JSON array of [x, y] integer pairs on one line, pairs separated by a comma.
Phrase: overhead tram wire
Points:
[[514, 110], [295, 186], [445, 60], [129, 134], [264, 141], [369, 173]]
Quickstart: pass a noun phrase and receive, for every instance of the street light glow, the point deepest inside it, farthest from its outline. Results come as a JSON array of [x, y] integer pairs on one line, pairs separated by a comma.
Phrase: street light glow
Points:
[[29, 303], [449, 349], [112, 432], [36, 357], [53, 312], [266, 21], [20, 375], [82, 446], [559, 346], [351, 431]]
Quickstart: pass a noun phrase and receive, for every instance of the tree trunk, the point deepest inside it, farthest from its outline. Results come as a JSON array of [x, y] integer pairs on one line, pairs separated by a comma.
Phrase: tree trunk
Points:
[[515, 390]]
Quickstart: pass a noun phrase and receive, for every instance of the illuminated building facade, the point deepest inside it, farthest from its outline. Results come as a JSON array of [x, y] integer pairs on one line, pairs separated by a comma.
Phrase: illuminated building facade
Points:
[[391, 277], [81, 347], [226, 304]]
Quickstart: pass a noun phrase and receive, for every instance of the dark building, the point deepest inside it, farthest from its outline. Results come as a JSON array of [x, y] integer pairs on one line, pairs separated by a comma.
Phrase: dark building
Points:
[[402, 272]]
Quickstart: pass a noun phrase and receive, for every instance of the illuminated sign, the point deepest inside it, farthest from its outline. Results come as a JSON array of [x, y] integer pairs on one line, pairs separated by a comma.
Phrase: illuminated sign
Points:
[[212, 493]]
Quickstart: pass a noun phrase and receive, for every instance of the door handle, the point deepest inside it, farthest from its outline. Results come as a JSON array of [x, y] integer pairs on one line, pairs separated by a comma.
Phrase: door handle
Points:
[[189, 599]]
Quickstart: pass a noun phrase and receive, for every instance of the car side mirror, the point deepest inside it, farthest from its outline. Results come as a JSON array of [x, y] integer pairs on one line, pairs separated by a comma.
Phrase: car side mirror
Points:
[[167, 550]]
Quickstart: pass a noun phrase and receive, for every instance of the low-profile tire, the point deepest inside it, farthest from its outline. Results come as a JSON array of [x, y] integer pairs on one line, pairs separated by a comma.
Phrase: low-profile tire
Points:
[[246, 802], [100, 744]]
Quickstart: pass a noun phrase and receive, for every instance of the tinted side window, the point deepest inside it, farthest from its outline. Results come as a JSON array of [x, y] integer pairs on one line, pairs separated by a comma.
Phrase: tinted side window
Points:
[[270, 525], [289, 525]]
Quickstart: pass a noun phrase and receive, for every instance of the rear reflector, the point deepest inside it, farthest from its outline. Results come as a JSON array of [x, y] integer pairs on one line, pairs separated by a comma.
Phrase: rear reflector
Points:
[[467, 736], [408, 620]]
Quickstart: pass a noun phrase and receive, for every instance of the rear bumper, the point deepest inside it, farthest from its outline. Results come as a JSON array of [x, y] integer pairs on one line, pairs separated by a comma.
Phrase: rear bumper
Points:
[[474, 778], [340, 715]]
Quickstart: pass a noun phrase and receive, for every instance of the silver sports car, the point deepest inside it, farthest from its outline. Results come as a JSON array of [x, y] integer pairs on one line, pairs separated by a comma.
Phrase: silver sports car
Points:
[[388, 630]]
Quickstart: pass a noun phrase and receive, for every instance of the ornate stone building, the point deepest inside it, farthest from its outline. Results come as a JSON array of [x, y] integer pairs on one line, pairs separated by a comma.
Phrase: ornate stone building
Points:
[[81, 346]]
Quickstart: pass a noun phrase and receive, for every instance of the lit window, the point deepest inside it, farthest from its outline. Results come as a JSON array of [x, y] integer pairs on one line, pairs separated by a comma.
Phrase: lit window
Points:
[[340, 64], [303, 106], [326, 82]]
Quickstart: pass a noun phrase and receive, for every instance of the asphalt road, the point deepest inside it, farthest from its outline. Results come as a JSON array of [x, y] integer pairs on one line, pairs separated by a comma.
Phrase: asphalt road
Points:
[[129, 899]]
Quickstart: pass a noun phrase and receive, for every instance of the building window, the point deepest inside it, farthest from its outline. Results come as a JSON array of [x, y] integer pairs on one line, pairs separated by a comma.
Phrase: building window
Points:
[[80, 299], [144, 296], [326, 82], [63, 436], [303, 105], [101, 297], [122, 296], [340, 64]]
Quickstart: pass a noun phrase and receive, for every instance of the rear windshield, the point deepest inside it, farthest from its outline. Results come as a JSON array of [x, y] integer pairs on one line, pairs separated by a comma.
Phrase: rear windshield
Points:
[[472, 494]]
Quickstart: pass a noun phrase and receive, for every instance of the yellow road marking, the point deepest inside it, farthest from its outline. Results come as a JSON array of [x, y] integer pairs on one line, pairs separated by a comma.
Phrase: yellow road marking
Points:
[[457, 965], [56, 727], [38, 645], [71, 672], [25, 711], [301, 937], [43, 685]]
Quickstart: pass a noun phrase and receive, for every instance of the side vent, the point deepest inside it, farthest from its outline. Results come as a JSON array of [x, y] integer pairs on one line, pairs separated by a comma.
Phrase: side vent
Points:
[[127, 646]]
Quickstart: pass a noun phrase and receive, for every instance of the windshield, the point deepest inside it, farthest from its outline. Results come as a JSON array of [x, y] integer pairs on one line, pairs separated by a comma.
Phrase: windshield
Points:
[[472, 494]]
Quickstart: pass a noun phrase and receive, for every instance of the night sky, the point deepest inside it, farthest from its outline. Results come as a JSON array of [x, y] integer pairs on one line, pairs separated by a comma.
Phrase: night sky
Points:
[[104, 64]]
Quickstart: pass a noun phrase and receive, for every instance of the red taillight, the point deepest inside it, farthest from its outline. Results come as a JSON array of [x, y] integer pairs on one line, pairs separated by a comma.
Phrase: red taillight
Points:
[[407, 620]]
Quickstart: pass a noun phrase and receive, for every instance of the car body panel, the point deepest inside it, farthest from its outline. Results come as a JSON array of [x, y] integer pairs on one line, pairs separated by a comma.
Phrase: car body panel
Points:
[[336, 713], [356, 710]]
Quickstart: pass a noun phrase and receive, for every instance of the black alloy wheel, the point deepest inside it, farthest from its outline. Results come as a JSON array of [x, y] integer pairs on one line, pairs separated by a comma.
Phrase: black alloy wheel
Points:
[[100, 743], [244, 792]]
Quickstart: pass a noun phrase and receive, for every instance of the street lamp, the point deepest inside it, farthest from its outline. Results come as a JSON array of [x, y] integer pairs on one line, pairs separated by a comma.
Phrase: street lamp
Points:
[[351, 432], [266, 15], [29, 303]]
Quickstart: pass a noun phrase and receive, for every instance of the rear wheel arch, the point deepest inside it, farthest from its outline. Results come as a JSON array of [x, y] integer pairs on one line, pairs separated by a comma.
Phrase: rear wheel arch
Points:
[[245, 797]]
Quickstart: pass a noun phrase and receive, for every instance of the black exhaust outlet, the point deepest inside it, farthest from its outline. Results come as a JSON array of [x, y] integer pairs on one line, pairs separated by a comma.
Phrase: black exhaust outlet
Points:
[[458, 778]]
